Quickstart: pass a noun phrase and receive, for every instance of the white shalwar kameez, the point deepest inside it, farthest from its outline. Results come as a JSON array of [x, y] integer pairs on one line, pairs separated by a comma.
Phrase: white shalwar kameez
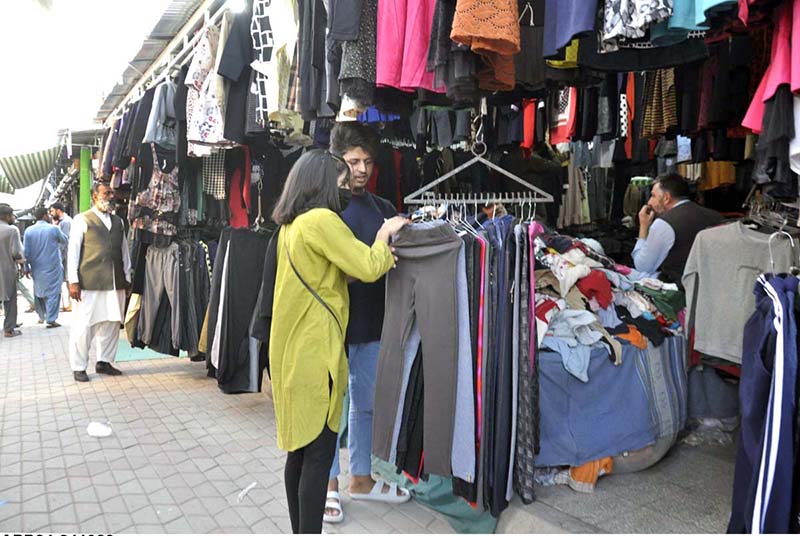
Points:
[[96, 318]]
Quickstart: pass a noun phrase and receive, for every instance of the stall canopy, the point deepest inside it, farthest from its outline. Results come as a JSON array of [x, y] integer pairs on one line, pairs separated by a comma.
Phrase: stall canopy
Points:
[[24, 170], [5, 186]]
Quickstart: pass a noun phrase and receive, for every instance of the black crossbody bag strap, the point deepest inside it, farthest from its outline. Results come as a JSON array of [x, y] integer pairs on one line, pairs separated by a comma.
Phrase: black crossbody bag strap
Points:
[[311, 290]]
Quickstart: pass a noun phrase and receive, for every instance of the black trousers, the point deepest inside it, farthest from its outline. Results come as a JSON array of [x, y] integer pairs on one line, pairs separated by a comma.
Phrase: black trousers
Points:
[[306, 478]]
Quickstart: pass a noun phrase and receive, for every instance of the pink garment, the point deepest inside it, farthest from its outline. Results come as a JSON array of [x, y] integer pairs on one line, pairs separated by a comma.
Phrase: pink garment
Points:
[[622, 269], [404, 29], [795, 61], [783, 58]]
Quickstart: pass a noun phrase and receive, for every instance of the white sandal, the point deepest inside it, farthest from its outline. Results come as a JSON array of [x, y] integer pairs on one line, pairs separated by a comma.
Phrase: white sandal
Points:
[[377, 494], [333, 502]]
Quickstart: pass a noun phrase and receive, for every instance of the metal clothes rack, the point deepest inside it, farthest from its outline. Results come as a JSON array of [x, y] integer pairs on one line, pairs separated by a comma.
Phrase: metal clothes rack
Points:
[[425, 196], [176, 54]]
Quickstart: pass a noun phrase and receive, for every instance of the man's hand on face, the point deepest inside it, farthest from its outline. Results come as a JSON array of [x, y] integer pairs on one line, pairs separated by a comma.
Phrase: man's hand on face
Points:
[[646, 217]]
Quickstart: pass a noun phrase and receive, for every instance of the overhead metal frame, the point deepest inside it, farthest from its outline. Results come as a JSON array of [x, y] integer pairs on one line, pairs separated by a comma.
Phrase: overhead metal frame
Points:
[[178, 49]]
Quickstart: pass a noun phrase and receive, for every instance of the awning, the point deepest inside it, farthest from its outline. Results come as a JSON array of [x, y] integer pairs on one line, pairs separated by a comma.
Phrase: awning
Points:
[[5, 186], [26, 169]]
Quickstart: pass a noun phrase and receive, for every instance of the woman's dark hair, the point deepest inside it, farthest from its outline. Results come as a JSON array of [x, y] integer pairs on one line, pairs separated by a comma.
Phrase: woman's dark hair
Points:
[[350, 134], [312, 183]]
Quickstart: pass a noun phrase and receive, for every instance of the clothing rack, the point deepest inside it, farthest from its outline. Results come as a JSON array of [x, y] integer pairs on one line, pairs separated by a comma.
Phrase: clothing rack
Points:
[[508, 198], [169, 58], [479, 150]]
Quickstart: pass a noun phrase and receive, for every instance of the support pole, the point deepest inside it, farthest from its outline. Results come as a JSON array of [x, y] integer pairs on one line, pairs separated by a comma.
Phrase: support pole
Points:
[[86, 179]]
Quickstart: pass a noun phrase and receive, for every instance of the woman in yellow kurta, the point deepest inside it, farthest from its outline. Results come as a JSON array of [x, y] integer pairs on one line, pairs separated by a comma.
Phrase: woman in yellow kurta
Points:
[[307, 359]]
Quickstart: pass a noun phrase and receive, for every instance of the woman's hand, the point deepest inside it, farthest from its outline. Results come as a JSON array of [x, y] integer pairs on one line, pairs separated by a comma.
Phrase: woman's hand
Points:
[[392, 226]]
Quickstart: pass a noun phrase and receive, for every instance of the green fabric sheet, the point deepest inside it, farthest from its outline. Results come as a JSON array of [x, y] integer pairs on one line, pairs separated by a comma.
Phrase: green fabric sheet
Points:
[[437, 494]]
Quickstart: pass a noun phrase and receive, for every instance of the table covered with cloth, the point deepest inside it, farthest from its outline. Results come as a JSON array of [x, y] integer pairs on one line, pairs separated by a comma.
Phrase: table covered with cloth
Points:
[[621, 409]]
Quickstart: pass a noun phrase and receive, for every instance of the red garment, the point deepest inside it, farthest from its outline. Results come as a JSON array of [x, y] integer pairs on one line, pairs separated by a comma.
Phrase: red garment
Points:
[[543, 308], [696, 358], [239, 198], [528, 125], [372, 183], [630, 95], [596, 285], [479, 364]]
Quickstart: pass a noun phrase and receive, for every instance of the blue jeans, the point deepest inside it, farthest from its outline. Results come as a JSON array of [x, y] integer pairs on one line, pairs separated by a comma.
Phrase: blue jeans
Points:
[[363, 364]]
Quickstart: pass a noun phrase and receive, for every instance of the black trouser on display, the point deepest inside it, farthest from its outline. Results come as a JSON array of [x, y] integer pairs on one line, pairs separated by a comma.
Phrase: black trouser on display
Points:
[[10, 310], [421, 290], [306, 479], [246, 258]]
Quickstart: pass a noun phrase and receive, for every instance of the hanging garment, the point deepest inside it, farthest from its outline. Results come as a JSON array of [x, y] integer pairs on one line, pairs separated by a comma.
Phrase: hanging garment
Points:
[[402, 44], [214, 175], [204, 120], [357, 75], [661, 108], [565, 113], [281, 42], [527, 390], [564, 20], [630, 19], [161, 124], [491, 30], [781, 70], [762, 489], [420, 295], [161, 282], [156, 208], [240, 365], [722, 264]]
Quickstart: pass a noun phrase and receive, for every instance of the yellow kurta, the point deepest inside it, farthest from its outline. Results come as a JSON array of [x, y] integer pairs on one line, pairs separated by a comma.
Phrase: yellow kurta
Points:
[[306, 345]]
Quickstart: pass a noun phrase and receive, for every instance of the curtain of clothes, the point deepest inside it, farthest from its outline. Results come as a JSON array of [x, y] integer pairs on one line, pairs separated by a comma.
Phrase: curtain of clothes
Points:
[[468, 326]]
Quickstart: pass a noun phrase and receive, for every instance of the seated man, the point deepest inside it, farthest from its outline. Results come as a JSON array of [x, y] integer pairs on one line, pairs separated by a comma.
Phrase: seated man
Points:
[[668, 224]]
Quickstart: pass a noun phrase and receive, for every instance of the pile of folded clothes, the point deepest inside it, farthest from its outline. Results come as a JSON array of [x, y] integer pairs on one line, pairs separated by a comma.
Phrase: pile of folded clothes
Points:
[[584, 300]]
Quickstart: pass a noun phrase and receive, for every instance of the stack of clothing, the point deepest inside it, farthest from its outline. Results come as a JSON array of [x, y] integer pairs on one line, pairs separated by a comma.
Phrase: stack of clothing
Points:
[[584, 300]]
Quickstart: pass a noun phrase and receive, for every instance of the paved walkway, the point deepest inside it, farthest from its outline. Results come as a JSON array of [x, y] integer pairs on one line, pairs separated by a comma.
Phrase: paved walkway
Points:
[[180, 454]]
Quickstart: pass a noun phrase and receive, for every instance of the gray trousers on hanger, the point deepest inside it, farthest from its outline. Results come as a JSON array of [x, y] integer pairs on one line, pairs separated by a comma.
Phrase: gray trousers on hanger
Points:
[[161, 275], [421, 294]]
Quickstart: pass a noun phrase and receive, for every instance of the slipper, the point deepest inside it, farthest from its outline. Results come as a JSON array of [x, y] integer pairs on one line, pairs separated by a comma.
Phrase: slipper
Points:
[[377, 494], [333, 502]]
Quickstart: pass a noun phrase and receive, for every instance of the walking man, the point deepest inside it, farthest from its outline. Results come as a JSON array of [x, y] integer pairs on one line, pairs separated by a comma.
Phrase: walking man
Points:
[[64, 222], [99, 266], [11, 258], [42, 246]]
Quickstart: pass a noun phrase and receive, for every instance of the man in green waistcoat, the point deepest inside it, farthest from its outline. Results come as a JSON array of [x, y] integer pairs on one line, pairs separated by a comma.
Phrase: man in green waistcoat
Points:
[[98, 271]]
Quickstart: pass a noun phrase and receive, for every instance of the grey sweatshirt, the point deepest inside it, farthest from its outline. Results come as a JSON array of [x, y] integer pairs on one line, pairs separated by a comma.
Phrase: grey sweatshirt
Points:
[[719, 277]]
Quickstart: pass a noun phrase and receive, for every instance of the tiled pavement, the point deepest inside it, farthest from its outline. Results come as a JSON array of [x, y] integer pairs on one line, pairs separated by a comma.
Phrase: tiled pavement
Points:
[[179, 456], [181, 452]]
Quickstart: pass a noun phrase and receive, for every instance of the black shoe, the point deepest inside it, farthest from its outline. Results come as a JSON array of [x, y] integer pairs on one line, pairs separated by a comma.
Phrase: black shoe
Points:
[[19, 325], [12, 333], [105, 368], [80, 376], [197, 358], [51, 325]]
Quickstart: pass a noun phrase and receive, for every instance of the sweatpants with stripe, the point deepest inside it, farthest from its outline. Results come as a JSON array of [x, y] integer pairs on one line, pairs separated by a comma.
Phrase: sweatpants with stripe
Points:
[[762, 487]]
